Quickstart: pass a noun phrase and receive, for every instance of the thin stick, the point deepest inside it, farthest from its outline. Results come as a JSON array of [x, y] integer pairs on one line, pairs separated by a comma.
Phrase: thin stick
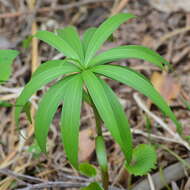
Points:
[[52, 184], [174, 33], [60, 185], [137, 131], [121, 5], [20, 176], [34, 53], [151, 183], [160, 121]]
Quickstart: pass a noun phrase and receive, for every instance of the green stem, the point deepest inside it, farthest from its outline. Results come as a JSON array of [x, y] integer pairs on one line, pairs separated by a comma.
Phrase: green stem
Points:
[[100, 146], [102, 160], [101, 152], [98, 122], [105, 179]]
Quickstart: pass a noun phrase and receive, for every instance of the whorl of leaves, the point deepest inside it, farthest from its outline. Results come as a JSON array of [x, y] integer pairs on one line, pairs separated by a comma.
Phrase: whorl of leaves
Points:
[[79, 80]]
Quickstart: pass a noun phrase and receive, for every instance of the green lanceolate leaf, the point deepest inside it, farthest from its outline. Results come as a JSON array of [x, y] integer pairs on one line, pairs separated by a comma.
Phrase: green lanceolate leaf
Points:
[[101, 153], [130, 51], [70, 35], [92, 186], [122, 121], [48, 65], [103, 32], [6, 59], [38, 81], [134, 80], [46, 110], [87, 36], [57, 42], [106, 111], [87, 169], [70, 118], [144, 159], [8, 55], [5, 72]]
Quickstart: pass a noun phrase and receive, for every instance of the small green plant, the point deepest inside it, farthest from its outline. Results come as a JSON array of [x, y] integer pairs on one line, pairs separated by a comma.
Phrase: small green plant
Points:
[[6, 59], [82, 69]]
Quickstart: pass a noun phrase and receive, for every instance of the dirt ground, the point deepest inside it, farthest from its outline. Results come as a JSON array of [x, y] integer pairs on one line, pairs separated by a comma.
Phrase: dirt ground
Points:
[[21, 164]]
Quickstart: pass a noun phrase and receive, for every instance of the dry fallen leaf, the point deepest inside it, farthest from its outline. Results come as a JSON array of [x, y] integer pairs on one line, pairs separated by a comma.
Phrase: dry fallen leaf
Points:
[[86, 144], [166, 85]]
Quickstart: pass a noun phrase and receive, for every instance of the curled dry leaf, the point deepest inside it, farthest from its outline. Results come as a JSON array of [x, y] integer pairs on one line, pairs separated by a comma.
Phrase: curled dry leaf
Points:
[[86, 144], [166, 85]]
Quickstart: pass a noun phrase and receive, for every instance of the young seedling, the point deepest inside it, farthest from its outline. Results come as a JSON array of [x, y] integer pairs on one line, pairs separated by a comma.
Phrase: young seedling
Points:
[[81, 72], [6, 59]]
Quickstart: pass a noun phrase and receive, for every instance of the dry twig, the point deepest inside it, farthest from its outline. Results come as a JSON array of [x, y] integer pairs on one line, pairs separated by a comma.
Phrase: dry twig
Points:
[[174, 33], [119, 7], [20, 176], [160, 122], [54, 184]]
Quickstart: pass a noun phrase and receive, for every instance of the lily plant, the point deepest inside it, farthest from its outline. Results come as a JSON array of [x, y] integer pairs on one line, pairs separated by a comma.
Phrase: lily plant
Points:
[[79, 79]]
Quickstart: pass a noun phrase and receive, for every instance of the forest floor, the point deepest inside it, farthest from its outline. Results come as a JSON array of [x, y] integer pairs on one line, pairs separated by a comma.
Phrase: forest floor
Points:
[[21, 163]]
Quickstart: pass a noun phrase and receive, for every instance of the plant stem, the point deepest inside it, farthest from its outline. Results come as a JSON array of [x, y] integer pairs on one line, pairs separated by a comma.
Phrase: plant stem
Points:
[[105, 179], [98, 122], [103, 165], [104, 170]]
